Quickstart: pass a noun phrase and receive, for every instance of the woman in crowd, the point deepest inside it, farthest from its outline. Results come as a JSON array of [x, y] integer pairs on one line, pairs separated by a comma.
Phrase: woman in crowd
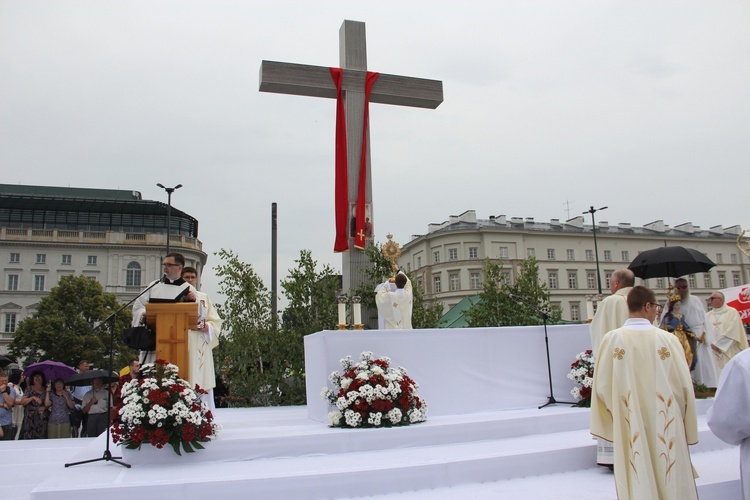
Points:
[[35, 416], [60, 401]]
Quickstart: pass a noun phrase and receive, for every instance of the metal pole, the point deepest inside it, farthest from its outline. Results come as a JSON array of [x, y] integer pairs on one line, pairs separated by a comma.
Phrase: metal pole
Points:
[[169, 208], [274, 255], [592, 211]]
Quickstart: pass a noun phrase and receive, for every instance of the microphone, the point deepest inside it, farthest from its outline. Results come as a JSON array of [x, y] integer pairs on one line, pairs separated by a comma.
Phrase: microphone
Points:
[[164, 278]]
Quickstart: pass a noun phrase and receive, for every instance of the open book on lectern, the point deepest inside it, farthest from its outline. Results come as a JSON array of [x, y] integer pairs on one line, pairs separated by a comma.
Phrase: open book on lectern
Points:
[[162, 293]]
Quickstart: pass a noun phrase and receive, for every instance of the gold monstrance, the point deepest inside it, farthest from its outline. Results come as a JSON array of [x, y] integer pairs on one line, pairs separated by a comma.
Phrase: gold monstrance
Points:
[[392, 251]]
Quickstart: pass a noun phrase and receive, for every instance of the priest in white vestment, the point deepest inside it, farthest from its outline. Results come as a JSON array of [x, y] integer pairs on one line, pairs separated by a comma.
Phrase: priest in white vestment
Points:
[[728, 417], [729, 334], [693, 310], [642, 400], [611, 314], [203, 341], [394, 301]]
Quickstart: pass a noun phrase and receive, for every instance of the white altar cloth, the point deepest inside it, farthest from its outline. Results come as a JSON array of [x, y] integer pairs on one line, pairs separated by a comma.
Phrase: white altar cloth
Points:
[[461, 370]]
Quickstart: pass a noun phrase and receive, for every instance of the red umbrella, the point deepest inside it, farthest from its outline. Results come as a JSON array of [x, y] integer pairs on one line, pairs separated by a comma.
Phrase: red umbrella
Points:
[[52, 370]]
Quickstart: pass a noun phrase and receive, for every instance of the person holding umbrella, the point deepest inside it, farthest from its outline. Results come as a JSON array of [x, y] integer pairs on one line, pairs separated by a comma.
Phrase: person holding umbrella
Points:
[[35, 416]]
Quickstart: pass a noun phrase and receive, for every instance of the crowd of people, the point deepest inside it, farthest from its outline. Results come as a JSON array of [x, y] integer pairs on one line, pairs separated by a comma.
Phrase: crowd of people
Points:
[[36, 408], [649, 358]]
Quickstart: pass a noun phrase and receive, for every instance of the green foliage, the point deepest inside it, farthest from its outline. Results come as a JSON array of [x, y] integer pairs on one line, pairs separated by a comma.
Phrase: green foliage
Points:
[[63, 327], [497, 308], [248, 341], [260, 363], [422, 316]]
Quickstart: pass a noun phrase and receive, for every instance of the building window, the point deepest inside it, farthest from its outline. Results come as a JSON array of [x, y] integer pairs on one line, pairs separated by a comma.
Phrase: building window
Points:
[[436, 256], [660, 283], [474, 280], [722, 280], [589, 255], [570, 254], [503, 252], [67, 259], [719, 258], [552, 280], [575, 312], [420, 284], [607, 278], [10, 323], [436, 284], [506, 277], [91, 260], [572, 279], [15, 258], [473, 252], [41, 258], [733, 258], [608, 255], [408, 266], [455, 283], [39, 283], [551, 253], [626, 256], [133, 274], [590, 280], [419, 262], [706, 280], [12, 282], [530, 252], [691, 281], [736, 279], [452, 254], [644, 282]]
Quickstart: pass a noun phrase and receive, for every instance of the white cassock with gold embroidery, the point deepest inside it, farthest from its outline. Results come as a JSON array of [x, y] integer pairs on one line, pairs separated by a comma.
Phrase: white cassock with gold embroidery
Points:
[[395, 306], [643, 401], [729, 334]]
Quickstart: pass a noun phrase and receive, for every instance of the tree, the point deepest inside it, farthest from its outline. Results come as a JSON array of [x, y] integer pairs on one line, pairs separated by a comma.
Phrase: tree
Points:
[[422, 316], [67, 326], [246, 346], [496, 307]]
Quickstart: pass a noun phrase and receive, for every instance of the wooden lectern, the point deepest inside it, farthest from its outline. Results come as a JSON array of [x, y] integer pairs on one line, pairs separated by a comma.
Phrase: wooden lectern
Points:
[[171, 322]]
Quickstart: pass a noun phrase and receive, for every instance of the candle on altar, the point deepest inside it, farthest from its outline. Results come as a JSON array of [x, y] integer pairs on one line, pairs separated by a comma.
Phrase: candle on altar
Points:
[[342, 311], [357, 312]]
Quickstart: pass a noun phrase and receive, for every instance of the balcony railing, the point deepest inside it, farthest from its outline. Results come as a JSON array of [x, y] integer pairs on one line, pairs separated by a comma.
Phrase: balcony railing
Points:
[[99, 237]]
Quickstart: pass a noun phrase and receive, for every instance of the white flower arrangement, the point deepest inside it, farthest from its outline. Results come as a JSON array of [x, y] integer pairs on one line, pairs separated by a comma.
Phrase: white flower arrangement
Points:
[[582, 372]]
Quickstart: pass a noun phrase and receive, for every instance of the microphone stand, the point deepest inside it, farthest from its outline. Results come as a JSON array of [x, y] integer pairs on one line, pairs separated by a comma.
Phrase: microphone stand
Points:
[[551, 399], [107, 457]]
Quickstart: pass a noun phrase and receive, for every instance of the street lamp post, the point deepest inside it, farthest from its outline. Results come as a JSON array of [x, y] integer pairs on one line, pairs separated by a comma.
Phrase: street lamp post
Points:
[[592, 211], [169, 207]]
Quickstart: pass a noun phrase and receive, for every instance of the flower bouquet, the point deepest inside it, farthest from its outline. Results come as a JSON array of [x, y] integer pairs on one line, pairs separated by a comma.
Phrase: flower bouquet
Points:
[[372, 393], [582, 372], [160, 408]]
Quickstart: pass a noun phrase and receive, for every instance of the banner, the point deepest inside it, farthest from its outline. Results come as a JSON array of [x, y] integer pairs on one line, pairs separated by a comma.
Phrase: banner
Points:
[[738, 298]]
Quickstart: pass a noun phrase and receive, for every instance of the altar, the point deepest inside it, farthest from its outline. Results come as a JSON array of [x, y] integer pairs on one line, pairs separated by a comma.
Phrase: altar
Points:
[[460, 371]]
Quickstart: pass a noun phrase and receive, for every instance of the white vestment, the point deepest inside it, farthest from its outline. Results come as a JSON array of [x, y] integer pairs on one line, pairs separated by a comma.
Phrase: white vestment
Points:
[[201, 345], [728, 417], [395, 306], [643, 401], [610, 315], [693, 313], [729, 334]]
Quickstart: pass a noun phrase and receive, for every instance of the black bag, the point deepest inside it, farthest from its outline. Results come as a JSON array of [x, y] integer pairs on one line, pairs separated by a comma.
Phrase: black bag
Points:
[[139, 337]]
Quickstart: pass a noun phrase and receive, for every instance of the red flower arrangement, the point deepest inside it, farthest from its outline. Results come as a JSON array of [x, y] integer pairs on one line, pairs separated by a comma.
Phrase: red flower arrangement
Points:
[[582, 372], [160, 408], [371, 393]]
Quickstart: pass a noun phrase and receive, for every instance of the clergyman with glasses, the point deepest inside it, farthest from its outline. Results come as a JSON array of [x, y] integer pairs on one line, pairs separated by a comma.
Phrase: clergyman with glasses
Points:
[[172, 266]]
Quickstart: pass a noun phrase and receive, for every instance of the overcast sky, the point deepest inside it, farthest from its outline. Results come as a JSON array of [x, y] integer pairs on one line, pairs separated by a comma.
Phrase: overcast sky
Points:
[[550, 107]]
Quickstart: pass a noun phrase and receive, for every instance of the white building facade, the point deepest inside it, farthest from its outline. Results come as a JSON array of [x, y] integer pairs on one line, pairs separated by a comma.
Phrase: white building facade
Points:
[[447, 262], [111, 236]]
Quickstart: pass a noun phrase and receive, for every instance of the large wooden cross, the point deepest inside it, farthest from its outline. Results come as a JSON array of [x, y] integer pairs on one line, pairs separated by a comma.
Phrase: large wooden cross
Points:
[[316, 81]]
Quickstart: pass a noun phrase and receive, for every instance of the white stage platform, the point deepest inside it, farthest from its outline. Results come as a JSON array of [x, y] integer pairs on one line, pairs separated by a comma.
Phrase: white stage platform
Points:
[[459, 370], [279, 453]]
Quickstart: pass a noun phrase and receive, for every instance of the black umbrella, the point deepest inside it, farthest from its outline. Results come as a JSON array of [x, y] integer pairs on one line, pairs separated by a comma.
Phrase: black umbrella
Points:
[[669, 262], [85, 378], [4, 361]]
